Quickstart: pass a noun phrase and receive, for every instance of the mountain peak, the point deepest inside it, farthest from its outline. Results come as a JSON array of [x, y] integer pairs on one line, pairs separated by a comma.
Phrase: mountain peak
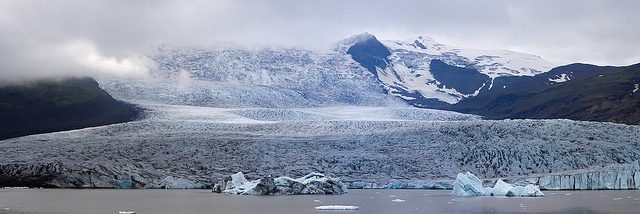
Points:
[[362, 37], [424, 38], [423, 42]]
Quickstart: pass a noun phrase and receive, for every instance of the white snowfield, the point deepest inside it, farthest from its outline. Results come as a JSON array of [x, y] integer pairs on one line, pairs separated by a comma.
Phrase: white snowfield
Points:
[[561, 78], [191, 147], [493, 63], [411, 60]]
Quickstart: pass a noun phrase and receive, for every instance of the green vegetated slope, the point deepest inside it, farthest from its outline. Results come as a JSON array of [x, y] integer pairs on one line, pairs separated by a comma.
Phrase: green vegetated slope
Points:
[[56, 105]]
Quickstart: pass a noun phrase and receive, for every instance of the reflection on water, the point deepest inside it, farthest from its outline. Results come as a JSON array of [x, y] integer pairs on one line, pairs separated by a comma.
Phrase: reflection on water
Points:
[[28, 201]]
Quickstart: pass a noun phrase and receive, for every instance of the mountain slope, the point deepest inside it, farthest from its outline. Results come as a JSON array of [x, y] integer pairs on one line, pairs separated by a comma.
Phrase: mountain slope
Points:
[[259, 77], [605, 96], [557, 75], [369, 52], [49, 106], [429, 74], [360, 70]]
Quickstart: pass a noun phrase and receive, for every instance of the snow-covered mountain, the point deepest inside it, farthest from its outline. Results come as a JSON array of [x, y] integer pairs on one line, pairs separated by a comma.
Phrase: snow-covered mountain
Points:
[[493, 63], [359, 70], [427, 73], [254, 77]]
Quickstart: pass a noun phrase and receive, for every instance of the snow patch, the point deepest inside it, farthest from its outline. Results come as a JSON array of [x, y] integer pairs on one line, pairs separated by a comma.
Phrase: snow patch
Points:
[[561, 78]]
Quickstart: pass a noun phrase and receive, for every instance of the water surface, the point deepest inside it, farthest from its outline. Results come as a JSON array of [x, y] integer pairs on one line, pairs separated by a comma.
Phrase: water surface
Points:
[[19, 201]]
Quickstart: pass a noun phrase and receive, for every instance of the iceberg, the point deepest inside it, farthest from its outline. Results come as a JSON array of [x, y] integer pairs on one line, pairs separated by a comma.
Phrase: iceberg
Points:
[[337, 207], [468, 185], [313, 183], [525, 191], [501, 188]]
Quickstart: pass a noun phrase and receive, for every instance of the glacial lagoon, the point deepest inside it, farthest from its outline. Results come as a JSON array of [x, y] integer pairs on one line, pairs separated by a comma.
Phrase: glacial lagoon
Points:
[[83, 201]]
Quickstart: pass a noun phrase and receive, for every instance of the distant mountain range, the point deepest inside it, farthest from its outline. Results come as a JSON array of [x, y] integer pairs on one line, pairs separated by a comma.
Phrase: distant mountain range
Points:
[[360, 70], [57, 105], [426, 73], [499, 84]]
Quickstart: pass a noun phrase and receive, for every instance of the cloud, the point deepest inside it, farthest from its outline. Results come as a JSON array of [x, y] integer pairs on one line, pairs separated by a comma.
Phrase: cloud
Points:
[[85, 54], [40, 38]]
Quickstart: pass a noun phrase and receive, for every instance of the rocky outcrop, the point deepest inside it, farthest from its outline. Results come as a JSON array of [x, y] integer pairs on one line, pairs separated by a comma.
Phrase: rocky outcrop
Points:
[[313, 183]]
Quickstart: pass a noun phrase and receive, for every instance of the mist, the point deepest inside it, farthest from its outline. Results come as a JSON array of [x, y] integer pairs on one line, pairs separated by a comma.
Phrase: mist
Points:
[[43, 39]]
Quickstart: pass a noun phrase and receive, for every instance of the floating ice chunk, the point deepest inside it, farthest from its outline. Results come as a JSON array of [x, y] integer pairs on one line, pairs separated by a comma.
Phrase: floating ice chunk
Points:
[[398, 200], [313, 183], [500, 188], [238, 179], [466, 185], [525, 191], [337, 207], [240, 185]]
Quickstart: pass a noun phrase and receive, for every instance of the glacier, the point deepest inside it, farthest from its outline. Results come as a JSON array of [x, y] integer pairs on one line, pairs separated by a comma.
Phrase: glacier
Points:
[[468, 185], [237, 76], [611, 177], [366, 147]]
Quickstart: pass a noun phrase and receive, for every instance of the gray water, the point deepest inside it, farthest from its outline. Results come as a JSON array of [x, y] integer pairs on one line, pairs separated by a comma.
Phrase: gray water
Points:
[[19, 201]]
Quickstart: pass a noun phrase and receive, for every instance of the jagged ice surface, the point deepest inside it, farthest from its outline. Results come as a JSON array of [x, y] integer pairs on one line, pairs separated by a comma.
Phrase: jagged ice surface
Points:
[[370, 144]]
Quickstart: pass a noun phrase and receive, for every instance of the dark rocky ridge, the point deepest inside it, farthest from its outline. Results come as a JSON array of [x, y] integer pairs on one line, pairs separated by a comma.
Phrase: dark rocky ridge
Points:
[[602, 94], [58, 105], [370, 53]]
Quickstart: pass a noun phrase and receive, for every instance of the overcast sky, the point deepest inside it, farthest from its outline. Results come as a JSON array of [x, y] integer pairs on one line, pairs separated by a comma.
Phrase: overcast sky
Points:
[[62, 37]]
